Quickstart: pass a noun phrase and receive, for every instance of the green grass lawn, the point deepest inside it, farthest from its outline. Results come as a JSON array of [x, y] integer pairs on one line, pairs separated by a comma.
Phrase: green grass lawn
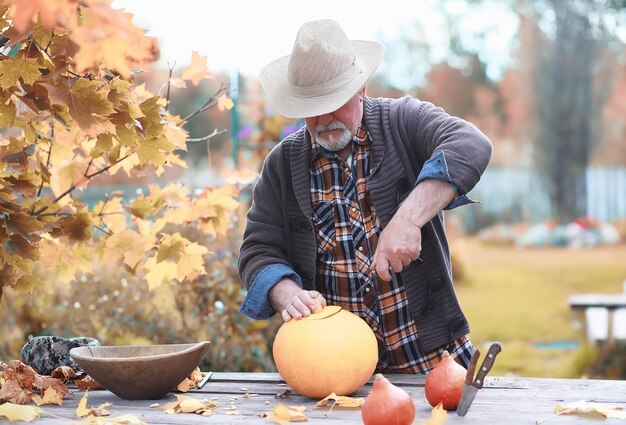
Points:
[[520, 297]]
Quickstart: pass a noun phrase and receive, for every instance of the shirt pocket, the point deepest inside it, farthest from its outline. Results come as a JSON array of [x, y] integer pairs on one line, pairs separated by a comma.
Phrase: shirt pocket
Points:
[[324, 222]]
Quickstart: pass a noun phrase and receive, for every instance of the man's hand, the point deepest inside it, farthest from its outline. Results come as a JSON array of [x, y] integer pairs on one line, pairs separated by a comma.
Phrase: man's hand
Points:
[[293, 301], [400, 242]]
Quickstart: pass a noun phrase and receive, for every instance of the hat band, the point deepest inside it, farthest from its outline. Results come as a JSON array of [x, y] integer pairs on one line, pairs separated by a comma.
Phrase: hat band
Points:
[[329, 86]]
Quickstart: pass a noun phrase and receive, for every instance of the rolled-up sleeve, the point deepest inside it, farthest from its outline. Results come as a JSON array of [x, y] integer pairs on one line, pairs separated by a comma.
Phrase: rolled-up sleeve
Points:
[[256, 303], [437, 168]]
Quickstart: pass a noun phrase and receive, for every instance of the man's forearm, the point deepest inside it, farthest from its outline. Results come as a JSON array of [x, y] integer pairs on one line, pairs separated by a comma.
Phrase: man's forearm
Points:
[[426, 200]]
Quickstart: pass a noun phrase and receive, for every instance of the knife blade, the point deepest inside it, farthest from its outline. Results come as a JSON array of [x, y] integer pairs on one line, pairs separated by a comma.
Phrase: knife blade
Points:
[[365, 285], [469, 391]]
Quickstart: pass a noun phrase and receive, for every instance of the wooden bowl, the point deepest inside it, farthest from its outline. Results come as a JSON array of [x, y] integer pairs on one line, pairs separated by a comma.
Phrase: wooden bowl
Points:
[[140, 372]]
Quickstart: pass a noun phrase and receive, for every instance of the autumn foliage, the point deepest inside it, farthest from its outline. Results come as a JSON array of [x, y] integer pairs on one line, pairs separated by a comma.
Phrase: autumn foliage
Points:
[[70, 113]]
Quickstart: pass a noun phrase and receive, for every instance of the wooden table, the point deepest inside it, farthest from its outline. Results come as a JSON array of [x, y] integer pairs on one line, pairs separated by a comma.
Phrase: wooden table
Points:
[[503, 400]]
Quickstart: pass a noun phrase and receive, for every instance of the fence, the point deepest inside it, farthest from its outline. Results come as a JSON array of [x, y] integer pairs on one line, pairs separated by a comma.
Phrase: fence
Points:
[[520, 195]]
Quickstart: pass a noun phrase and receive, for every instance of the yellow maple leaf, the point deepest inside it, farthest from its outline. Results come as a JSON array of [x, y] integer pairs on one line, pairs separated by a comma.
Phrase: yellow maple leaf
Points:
[[108, 36], [159, 273], [176, 135], [24, 12], [82, 410], [50, 396], [197, 70], [225, 103], [18, 412], [11, 70], [438, 415], [152, 150], [127, 419], [7, 113], [69, 173], [584, 407], [342, 401], [87, 102], [127, 244], [282, 414], [191, 264]]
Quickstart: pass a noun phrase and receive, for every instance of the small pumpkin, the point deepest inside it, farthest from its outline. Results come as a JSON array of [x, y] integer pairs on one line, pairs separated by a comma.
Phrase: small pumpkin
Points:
[[333, 351], [387, 404], [444, 383]]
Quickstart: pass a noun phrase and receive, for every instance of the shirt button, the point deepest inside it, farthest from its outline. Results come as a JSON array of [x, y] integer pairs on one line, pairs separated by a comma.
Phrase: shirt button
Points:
[[367, 289], [353, 209], [375, 328], [361, 248]]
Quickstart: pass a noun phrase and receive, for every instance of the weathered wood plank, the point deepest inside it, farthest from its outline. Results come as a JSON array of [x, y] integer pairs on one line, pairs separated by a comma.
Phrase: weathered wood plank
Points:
[[504, 400]]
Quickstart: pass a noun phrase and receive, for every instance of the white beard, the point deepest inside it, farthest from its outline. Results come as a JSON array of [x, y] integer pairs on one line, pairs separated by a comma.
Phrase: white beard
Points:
[[332, 143]]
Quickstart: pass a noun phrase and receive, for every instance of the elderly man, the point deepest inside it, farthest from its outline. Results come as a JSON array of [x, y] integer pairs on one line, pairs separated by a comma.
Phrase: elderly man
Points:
[[349, 209]]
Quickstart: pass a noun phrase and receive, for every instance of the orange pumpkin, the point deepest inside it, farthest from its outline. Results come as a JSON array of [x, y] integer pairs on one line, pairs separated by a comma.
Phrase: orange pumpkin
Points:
[[333, 351]]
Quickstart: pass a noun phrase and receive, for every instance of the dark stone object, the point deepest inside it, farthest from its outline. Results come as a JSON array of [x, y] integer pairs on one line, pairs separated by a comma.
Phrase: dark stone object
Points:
[[46, 353]]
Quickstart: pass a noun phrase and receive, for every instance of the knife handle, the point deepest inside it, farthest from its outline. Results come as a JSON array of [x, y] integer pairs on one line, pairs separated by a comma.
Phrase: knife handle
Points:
[[469, 378], [490, 358]]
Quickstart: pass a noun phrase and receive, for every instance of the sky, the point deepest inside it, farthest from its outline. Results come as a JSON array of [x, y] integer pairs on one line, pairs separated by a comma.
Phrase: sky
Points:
[[245, 35]]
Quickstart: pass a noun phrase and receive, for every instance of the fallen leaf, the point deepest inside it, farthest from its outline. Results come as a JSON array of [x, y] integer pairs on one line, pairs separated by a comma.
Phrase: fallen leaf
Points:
[[17, 412], [283, 394], [119, 420], [63, 372], [82, 410], [341, 401], [50, 396], [582, 406], [87, 383], [186, 404], [12, 392], [438, 416], [282, 414]]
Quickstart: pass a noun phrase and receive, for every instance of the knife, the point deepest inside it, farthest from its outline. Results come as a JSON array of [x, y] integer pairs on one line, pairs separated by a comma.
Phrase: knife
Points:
[[472, 385]]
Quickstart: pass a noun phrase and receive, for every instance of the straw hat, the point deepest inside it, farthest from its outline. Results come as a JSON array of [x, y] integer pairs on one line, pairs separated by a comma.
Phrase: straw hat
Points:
[[323, 72]]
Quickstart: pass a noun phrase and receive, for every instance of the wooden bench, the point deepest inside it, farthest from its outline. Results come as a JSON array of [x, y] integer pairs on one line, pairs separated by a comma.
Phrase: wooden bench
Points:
[[610, 302]]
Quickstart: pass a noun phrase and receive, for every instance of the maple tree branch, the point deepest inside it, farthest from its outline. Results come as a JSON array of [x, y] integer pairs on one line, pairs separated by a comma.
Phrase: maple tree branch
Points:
[[73, 186], [106, 231], [89, 166], [106, 201], [107, 167], [208, 136], [169, 84], [208, 104]]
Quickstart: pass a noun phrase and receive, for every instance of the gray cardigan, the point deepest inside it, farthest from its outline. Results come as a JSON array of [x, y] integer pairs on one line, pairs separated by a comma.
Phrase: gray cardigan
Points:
[[405, 133]]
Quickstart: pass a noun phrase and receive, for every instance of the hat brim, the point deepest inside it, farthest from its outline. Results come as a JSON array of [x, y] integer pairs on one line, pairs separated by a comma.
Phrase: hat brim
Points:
[[274, 81]]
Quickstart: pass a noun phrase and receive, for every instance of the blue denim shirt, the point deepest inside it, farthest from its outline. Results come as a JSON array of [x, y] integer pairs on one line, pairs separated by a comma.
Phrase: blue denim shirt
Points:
[[256, 302]]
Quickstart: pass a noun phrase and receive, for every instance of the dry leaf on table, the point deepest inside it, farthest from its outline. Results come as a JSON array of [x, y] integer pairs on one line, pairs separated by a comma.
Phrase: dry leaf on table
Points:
[[283, 394], [438, 416], [284, 414], [604, 409], [87, 383], [82, 410], [18, 412], [341, 401], [186, 404], [191, 381], [65, 373], [118, 420]]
